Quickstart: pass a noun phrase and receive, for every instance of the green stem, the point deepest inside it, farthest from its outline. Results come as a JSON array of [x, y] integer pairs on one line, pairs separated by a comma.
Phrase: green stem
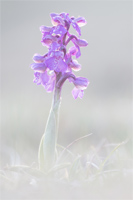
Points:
[[47, 148]]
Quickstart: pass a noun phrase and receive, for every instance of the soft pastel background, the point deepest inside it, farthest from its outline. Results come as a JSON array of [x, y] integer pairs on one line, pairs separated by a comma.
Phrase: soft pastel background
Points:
[[105, 110]]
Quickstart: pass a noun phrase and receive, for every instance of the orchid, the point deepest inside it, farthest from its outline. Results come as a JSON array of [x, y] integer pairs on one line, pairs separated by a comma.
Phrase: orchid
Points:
[[58, 60], [52, 69]]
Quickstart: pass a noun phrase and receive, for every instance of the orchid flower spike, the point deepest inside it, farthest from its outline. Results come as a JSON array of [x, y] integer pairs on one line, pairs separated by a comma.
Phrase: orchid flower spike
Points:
[[52, 69], [57, 63]]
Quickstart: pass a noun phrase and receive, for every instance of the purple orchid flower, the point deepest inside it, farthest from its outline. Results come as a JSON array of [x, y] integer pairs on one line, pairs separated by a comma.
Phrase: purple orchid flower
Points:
[[52, 69]]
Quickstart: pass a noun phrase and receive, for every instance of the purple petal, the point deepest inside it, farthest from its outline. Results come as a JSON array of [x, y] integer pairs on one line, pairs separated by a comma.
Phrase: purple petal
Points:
[[47, 39], [81, 21], [44, 29], [81, 94], [54, 46], [38, 58], [75, 93], [58, 54], [65, 16], [61, 66], [51, 83], [56, 19], [44, 78], [81, 43], [76, 27], [37, 79], [81, 83], [47, 81], [51, 63], [60, 30], [78, 54], [50, 87], [53, 14], [75, 65], [72, 50], [38, 67]]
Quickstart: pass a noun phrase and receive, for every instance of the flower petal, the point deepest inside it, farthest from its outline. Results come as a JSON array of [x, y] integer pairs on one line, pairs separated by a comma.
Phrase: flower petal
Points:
[[81, 83], [58, 54], [38, 58], [38, 67], [50, 63], [75, 93], [72, 50], [56, 19], [54, 46], [81, 43], [76, 27], [60, 30], [61, 66], [44, 78], [81, 21], [75, 65], [44, 29], [78, 54], [81, 94], [49, 86], [37, 79], [53, 14], [65, 16], [47, 40]]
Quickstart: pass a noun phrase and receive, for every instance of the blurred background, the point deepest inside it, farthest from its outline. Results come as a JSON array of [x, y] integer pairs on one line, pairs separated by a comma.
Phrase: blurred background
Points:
[[106, 108]]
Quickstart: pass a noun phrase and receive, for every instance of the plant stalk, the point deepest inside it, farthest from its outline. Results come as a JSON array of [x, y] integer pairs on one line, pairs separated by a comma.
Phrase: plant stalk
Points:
[[47, 148]]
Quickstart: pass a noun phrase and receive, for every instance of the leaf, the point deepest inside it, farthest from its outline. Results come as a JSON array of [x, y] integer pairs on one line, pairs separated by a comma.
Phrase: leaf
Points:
[[107, 158], [58, 167], [66, 149], [74, 168]]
